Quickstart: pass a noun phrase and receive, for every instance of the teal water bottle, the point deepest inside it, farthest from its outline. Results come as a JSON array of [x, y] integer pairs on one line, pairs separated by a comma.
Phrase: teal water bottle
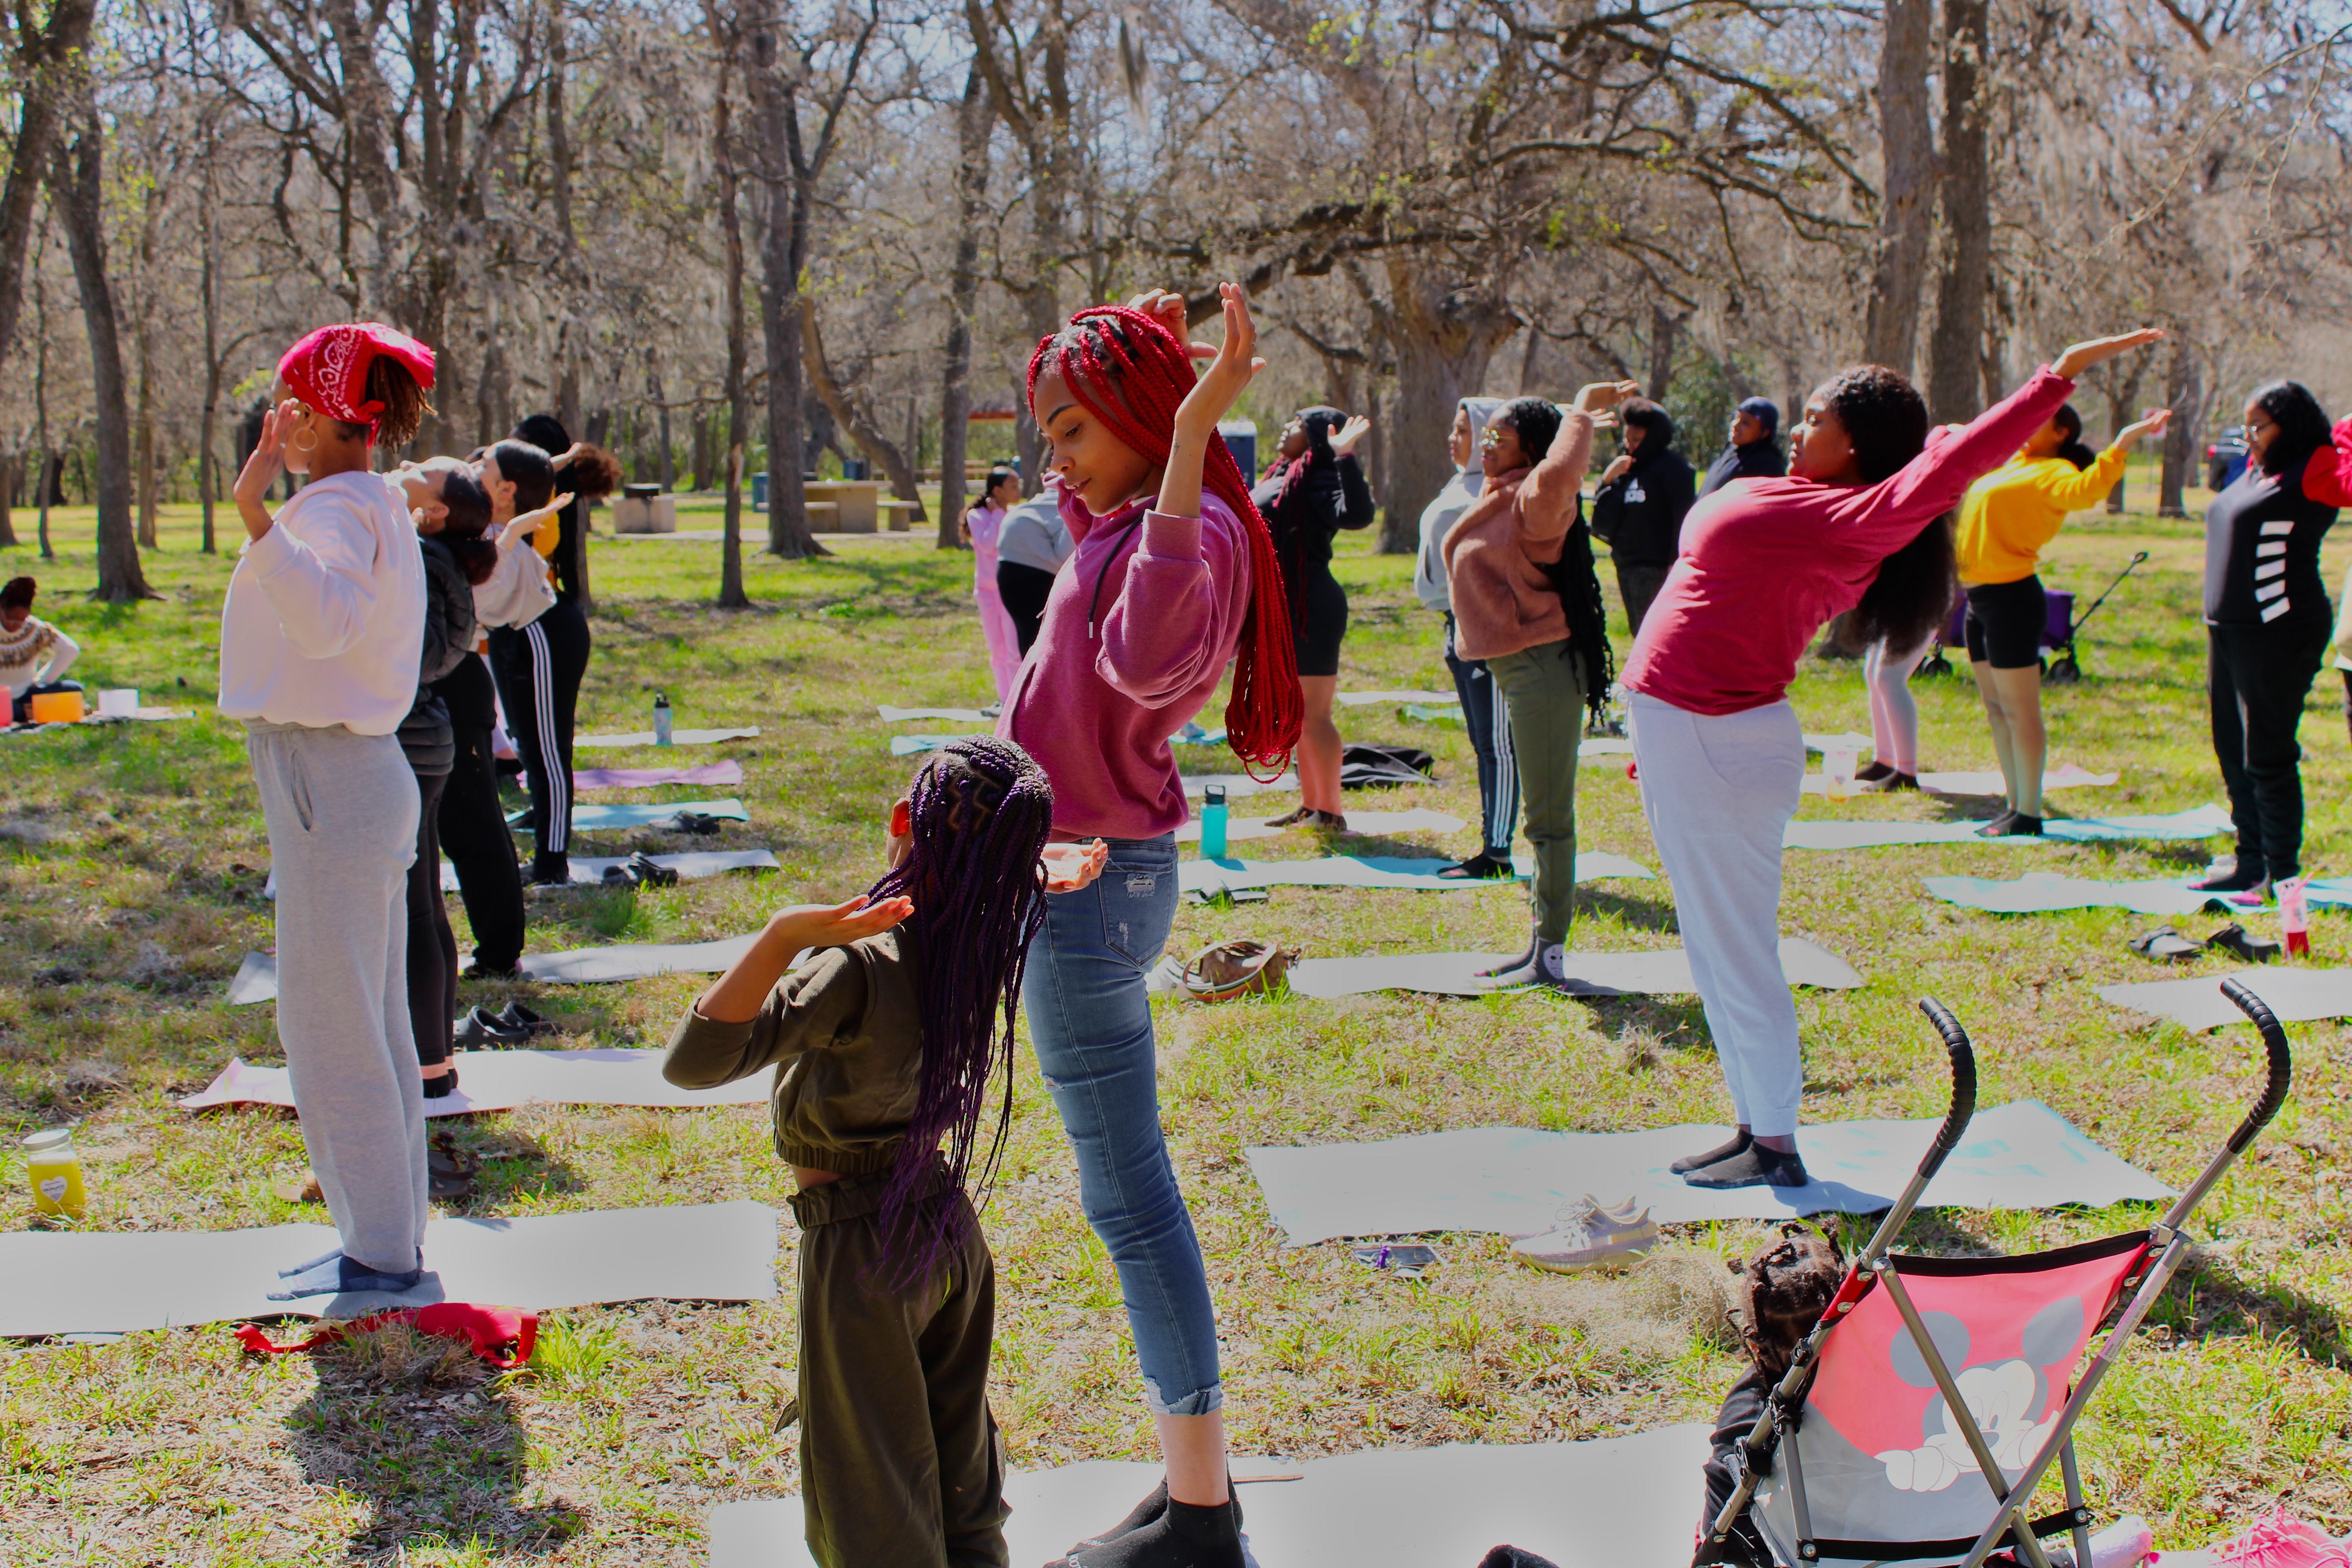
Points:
[[661, 718], [1212, 822]]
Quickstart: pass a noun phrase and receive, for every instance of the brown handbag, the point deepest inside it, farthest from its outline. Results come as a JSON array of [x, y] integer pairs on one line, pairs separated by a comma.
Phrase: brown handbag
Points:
[[1243, 967]]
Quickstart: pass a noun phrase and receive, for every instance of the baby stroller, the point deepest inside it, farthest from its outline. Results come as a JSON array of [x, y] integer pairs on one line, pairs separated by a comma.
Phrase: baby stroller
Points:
[[1921, 1412], [2060, 628]]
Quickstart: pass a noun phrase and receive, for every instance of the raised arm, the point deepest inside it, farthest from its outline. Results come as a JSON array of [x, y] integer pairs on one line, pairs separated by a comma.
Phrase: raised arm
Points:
[[748, 1020], [1549, 496]]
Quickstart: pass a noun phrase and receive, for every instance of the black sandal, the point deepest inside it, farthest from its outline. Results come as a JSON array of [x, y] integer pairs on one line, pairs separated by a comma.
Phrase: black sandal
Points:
[[2163, 945], [2235, 938], [1480, 867]]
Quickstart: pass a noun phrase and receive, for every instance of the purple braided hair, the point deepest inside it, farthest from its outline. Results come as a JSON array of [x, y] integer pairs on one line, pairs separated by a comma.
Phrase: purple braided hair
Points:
[[979, 810]]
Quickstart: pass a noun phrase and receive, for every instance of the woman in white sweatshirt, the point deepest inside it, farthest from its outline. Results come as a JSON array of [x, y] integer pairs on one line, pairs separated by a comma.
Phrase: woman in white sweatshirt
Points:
[[319, 635]]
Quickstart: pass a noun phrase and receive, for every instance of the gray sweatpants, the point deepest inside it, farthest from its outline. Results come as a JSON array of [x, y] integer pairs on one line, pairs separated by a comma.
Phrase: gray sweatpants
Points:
[[342, 812]]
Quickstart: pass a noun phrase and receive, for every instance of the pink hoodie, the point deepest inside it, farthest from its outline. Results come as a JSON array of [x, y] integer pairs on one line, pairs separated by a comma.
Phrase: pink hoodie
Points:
[[1141, 623]]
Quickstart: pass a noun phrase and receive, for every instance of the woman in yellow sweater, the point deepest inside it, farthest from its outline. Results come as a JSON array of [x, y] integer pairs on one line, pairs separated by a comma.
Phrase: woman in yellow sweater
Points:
[[2005, 520]]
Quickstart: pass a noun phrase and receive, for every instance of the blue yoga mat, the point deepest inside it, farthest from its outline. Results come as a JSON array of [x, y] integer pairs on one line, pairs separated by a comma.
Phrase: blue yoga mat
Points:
[[2045, 892], [1833, 833]]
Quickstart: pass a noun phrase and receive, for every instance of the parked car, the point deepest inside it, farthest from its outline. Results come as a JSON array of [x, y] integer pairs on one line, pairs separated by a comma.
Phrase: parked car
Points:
[[2225, 459]]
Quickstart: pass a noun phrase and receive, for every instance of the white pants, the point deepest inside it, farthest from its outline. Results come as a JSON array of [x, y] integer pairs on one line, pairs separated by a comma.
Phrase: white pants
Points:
[[1719, 793]]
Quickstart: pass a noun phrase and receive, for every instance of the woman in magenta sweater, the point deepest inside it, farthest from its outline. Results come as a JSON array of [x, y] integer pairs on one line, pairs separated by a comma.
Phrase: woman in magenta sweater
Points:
[[1174, 577], [1857, 524]]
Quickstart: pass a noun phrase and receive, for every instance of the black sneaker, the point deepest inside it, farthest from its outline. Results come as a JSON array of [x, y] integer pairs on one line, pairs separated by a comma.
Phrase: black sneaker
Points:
[[1484, 867]]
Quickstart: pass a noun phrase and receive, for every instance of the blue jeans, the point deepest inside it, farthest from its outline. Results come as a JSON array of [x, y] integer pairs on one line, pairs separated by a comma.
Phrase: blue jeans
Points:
[[1090, 1021]]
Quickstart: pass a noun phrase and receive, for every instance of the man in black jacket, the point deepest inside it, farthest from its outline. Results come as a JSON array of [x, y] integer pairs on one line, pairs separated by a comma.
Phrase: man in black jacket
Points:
[[1754, 450], [1640, 505]]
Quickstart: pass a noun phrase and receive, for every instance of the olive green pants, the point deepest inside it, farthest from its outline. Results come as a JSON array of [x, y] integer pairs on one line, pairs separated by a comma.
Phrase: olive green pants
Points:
[[1543, 688], [899, 1455]]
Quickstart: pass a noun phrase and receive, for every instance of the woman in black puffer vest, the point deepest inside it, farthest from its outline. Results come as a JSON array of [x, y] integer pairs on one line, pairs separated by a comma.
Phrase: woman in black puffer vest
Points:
[[449, 523], [2266, 625]]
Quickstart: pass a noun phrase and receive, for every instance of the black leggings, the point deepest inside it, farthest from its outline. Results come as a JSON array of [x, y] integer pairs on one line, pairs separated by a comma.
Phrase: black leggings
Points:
[[538, 668], [475, 837], [1025, 590], [2256, 679], [2005, 623], [432, 946]]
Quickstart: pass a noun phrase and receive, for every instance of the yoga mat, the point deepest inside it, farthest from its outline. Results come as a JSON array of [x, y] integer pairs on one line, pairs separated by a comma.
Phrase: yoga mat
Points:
[[1860, 745], [2067, 777], [1211, 877], [1417, 820], [598, 818], [1661, 971], [257, 977], [1239, 786], [911, 745], [1605, 746], [64, 1282], [2043, 892], [944, 715], [2296, 996], [1514, 1180], [678, 738], [729, 772], [1365, 698], [1609, 1502], [692, 864], [1833, 834], [501, 1080], [1435, 715]]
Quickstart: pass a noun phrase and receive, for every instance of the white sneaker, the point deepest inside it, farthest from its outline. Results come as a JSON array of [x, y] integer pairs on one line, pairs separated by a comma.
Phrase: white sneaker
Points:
[[1590, 1235]]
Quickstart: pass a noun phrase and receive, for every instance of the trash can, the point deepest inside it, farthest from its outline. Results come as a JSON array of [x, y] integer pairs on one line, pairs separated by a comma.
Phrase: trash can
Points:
[[760, 490], [1241, 439]]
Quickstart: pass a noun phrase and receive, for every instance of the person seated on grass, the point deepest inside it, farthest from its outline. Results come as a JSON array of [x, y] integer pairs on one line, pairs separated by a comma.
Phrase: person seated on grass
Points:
[[885, 1043], [34, 654]]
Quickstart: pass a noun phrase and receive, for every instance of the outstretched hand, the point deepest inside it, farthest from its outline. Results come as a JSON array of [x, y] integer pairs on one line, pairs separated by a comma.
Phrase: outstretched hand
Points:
[[1357, 427], [2098, 351], [1600, 396], [2150, 423], [1167, 307], [1196, 419], [529, 521], [839, 925], [1069, 867]]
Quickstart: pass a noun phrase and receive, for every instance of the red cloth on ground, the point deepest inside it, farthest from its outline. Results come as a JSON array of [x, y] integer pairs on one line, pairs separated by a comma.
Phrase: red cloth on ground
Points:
[[488, 1328]]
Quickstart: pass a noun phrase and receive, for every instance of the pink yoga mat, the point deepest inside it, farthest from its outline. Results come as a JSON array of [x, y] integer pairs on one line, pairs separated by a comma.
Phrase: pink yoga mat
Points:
[[727, 772]]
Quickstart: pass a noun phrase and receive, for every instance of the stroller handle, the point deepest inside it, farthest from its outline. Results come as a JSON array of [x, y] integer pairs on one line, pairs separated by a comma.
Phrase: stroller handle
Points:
[[2281, 1064], [1964, 1083]]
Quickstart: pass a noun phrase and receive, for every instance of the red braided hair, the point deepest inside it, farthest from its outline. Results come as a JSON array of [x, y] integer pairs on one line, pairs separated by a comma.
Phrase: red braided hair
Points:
[[1131, 372]]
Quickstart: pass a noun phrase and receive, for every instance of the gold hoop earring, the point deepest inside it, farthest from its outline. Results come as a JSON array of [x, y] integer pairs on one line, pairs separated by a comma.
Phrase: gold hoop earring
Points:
[[301, 445]]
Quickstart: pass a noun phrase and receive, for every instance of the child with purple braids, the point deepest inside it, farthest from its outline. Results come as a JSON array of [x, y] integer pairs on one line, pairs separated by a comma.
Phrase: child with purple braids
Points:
[[884, 1042]]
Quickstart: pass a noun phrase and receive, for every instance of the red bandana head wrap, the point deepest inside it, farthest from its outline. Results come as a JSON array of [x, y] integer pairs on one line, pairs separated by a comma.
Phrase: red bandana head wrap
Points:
[[328, 369]]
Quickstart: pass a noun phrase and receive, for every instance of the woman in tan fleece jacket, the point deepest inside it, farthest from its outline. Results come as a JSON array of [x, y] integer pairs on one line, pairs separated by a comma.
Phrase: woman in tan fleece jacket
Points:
[[1508, 613]]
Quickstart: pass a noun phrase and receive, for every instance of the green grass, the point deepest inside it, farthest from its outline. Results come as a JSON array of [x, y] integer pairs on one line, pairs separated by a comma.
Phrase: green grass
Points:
[[132, 877]]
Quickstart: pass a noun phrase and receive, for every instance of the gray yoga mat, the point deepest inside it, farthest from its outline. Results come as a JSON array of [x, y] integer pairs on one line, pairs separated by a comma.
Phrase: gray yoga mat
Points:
[[257, 977], [1211, 876], [1831, 833], [691, 866], [678, 738], [2296, 996], [2045, 892], [502, 1080], [1366, 699], [1513, 1179], [942, 715], [1607, 1502], [1239, 786], [603, 818], [63, 1282], [1661, 971]]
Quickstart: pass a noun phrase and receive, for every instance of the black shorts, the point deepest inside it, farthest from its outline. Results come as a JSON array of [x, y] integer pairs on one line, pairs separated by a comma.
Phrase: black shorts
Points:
[[2005, 623], [1318, 624]]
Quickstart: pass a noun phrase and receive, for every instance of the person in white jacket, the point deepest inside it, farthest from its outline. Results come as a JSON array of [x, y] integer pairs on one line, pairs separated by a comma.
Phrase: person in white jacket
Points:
[[320, 634]]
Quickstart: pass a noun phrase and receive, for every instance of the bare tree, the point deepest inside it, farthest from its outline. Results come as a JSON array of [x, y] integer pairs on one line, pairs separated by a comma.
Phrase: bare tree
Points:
[[727, 38], [975, 119], [1964, 274], [45, 60], [1906, 186]]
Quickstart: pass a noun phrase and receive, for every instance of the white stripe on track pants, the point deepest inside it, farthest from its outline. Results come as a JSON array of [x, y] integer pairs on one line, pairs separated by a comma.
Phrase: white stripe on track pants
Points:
[[1718, 793]]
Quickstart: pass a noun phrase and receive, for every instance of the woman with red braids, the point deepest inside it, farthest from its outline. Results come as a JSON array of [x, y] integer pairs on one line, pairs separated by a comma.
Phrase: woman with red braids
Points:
[[1174, 577]]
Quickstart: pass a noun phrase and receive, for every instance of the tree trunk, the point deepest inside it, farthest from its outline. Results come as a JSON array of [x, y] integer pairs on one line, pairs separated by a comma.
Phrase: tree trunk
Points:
[[76, 191], [1907, 179], [2123, 396], [975, 119], [1442, 338], [1956, 350], [850, 415], [731, 227], [2184, 393], [701, 454], [10, 463], [42, 64], [146, 438], [666, 470], [775, 118], [1665, 328]]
